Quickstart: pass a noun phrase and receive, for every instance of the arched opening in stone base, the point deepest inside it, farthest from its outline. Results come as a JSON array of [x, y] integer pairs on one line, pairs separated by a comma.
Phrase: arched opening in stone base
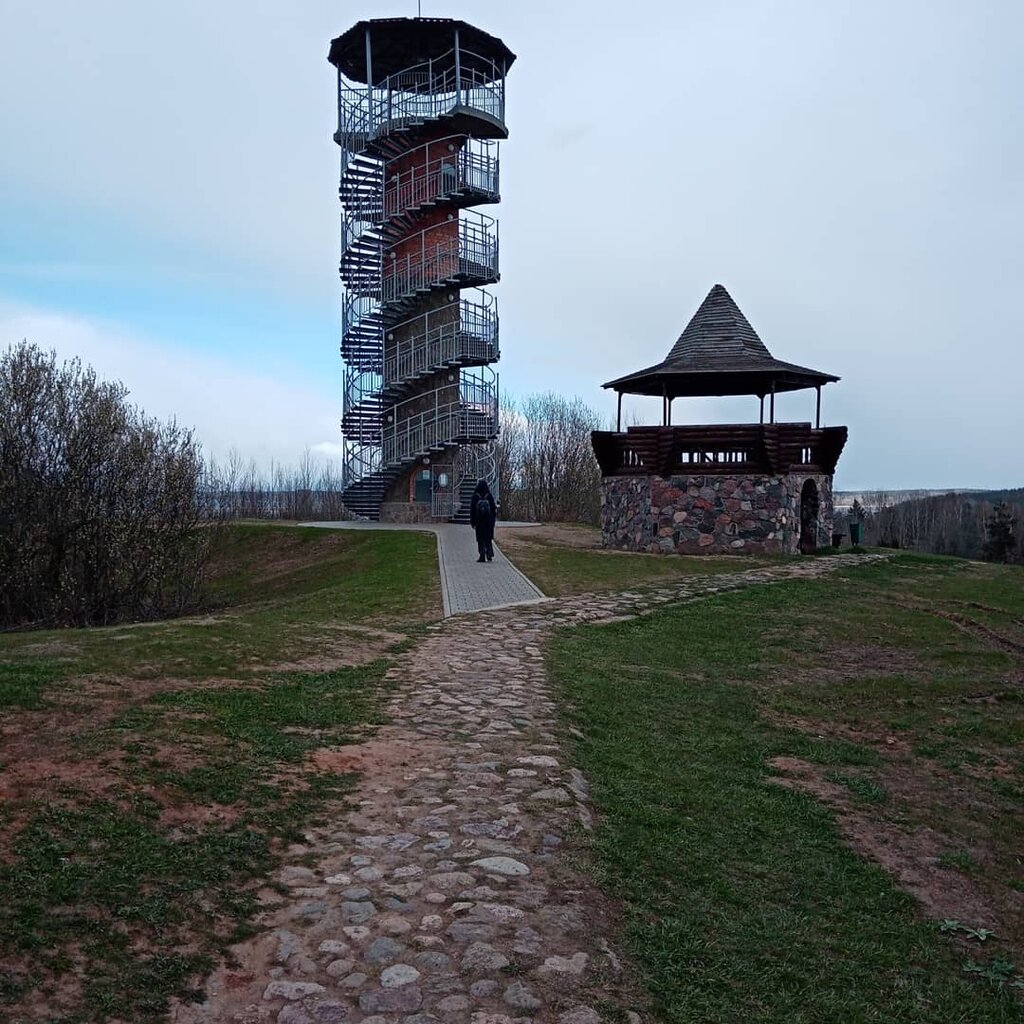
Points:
[[809, 506]]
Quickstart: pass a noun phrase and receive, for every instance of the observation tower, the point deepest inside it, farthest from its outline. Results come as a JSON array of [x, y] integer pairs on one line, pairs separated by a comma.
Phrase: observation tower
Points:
[[421, 110]]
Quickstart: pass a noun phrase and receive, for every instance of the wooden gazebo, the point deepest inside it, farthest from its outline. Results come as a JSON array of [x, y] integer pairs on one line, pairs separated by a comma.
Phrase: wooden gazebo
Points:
[[719, 354]]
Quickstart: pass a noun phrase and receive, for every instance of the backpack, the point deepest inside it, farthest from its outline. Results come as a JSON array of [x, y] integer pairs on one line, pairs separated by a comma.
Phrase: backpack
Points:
[[485, 511]]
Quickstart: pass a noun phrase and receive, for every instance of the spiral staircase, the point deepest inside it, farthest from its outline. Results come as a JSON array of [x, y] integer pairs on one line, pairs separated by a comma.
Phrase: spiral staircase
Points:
[[419, 330]]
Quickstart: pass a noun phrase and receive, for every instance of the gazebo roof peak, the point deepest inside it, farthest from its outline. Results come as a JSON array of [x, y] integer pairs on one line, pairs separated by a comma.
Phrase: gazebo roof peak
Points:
[[719, 353], [717, 333]]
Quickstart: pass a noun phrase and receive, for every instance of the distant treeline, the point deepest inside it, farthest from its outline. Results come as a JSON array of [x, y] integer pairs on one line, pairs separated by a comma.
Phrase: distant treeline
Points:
[[977, 524], [234, 489]]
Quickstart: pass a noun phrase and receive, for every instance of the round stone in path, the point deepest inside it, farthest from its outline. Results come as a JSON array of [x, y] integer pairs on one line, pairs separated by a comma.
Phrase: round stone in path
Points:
[[293, 1014], [481, 957], [404, 999], [502, 866], [519, 996], [397, 975], [580, 1015], [339, 968], [383, 951], [291, 989]]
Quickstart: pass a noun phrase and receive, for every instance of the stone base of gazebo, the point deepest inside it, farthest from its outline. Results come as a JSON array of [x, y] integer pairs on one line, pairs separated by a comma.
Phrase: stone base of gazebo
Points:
[[716, 514]]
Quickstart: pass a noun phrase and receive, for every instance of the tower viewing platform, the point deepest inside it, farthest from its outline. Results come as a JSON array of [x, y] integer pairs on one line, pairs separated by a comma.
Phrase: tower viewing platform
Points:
[[421, 110], [762, 487]]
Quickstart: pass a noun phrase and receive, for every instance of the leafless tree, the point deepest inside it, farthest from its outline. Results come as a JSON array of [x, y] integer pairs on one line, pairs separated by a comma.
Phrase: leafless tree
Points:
[[546, 465]]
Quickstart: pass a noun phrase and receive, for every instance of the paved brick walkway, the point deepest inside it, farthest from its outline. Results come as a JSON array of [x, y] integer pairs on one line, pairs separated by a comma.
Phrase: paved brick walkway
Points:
[[443, 895], [466, 584]]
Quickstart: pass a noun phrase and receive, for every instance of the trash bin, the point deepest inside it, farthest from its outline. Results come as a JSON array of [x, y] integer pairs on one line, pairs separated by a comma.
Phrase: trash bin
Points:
[[837, 540], [855, 533]]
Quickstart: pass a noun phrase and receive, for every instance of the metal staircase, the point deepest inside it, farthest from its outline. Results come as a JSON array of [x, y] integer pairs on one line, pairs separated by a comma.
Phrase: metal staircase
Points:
[[418, 150]]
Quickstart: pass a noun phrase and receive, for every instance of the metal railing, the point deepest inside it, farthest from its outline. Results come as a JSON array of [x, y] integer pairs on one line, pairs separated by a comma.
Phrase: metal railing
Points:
[[433, 422], [361, 408], [421, 93], [444, 337], [473, 462], [361, 188], [452, 250], [469, 167]]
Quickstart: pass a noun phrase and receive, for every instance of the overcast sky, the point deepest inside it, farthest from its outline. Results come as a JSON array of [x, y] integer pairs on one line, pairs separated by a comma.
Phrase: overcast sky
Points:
[[851, 170]]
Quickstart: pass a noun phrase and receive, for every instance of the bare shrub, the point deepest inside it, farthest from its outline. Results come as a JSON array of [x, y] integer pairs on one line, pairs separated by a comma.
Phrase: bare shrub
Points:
[[98, 502]]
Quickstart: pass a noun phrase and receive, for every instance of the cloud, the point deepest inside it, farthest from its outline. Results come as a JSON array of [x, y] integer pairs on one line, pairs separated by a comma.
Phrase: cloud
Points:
[[230, 406]]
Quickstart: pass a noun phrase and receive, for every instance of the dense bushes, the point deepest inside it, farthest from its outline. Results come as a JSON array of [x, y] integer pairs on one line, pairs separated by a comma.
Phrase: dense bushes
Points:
[[99, 514]]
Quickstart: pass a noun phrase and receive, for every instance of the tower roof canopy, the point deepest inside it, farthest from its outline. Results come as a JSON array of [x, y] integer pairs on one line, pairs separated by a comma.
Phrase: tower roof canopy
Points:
[[398, 44], [719, 353]]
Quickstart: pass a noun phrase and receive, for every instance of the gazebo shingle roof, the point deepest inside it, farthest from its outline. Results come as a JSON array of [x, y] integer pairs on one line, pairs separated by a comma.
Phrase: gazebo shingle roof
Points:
[[719, 353]]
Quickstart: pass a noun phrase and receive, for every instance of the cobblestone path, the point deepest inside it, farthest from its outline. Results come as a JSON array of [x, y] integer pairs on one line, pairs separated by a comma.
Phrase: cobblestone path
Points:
[[443, 894]]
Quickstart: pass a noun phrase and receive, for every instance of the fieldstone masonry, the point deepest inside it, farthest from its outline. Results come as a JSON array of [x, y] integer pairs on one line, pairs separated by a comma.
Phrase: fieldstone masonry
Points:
[[756, 514]]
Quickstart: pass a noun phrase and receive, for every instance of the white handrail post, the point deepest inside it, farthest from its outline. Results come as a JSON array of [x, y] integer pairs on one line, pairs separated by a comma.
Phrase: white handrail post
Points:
[[369, 83], [458, 71]]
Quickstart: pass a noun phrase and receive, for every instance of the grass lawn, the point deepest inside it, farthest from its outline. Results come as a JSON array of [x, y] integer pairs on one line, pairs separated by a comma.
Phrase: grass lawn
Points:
[[150, 775], [274, 593], [779, 772], [565, 559]]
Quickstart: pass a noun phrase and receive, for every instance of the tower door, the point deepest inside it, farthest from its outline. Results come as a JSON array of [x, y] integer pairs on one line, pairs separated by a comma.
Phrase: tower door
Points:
[[809, 504], [423, 488]]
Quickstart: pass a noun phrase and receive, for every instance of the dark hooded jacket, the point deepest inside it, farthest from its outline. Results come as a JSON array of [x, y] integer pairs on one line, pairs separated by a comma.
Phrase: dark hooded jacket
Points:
[[483, 512]]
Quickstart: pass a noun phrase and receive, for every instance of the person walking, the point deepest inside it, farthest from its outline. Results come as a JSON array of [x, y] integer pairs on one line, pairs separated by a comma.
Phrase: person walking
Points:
[[482, 514]]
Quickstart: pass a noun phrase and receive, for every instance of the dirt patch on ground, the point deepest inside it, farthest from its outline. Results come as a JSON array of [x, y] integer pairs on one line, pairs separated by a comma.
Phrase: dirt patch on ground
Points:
[[61, 650], [560, 535], [842, 663], [874, 736], [912, 855], [339, 647], [390, 753]]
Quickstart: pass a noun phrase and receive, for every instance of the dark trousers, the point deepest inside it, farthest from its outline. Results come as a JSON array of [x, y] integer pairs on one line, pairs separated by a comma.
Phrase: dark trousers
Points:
[[485, 543]]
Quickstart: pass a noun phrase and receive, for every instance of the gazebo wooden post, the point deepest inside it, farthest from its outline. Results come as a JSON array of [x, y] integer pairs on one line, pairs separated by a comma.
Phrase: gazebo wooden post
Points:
[[772, 405], [670, 411], [664, 405], [817, 409], [762, 408], [618, 418]]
